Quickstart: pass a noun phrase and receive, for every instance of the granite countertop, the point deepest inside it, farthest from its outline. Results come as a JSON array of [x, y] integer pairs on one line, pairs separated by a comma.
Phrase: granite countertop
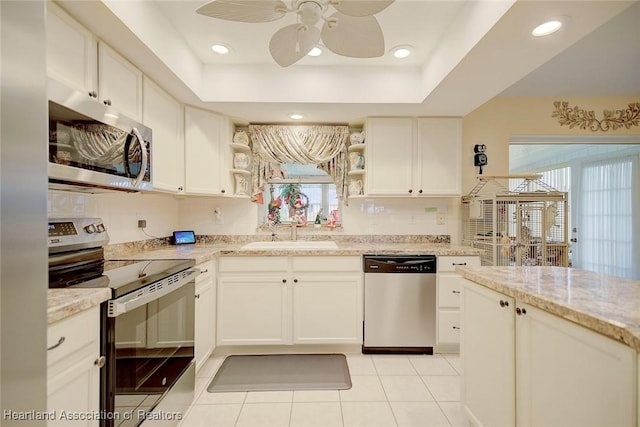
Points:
[[62, 303], [202, 253], [605, 304]]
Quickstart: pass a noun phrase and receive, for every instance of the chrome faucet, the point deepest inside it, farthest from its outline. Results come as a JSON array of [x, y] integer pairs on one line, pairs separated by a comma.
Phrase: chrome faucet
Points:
[[294, 230]]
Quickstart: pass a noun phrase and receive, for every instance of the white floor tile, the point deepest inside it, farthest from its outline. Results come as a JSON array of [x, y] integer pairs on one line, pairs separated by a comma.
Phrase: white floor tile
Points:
[[201, 386], [367, 414], [365, 388], [361, 365], [212, 415], [455, 414], [264, 415], [404, 388], [419, 414], [316, 414], [454, 361], [432, 365], [207, 398], [316, 396], [443, 388], [393, 365], [269, 396]]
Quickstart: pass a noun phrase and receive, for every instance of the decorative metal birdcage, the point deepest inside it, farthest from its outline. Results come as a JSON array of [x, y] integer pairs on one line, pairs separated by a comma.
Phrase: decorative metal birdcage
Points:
[[517, 220]]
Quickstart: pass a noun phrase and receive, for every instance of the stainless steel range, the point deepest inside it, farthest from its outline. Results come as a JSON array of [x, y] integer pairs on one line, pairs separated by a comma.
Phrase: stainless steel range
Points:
[[147, 327]]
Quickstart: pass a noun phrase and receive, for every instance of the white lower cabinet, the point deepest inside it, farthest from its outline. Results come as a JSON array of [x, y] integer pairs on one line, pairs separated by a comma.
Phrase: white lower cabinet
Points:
[[205, 318], [289, 300], [450, 286], [523, 366], [73, 368]]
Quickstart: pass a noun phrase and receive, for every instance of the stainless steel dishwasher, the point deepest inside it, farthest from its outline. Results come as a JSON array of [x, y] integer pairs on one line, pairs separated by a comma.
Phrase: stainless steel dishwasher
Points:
[[399, 304]]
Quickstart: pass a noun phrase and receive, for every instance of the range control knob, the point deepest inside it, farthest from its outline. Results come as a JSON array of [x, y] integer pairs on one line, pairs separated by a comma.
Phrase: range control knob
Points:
[[90, 228], [100, 228]]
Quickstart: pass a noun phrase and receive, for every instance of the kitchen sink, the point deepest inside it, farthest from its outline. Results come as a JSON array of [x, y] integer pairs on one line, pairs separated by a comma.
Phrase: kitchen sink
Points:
[[290, 244]]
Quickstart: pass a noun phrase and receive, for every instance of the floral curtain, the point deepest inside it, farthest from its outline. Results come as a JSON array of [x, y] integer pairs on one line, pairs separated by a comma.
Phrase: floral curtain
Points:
[[324, 146]]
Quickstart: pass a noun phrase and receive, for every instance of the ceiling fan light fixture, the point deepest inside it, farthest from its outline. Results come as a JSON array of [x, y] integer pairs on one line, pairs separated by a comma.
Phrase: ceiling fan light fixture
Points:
[[547, 28], [296, 116], [220, 48], [316, 51], [401, 52]]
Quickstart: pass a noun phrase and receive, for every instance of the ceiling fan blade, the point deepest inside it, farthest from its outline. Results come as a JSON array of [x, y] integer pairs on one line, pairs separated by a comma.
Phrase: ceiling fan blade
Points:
[[361, 7], [245, 10], [292, 43], [354, 37]]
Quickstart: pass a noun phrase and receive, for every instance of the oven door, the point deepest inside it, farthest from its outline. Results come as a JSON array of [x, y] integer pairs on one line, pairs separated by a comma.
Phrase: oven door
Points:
[[149, 349]]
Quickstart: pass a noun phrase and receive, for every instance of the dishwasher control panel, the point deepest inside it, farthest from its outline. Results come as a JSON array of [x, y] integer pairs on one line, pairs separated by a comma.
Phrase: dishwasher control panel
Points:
[[422, 264]]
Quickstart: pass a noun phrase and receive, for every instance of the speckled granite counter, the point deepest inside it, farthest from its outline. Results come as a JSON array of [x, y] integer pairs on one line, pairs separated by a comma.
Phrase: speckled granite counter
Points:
[[605, 304], [62, 303], [201, 253]]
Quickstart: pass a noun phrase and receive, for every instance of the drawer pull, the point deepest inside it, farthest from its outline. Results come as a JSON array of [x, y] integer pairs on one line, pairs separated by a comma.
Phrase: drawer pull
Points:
[[206, 270], [458, 263], [504, 303], [100, 361], [58, 344], [456, 327], [456, 292]]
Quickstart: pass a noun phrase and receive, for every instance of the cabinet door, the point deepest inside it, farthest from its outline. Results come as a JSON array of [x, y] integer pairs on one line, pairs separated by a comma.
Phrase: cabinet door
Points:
[[570, 376], [389, 156], [72, 51], [204, 321], [327, 309], [120, 83], [164, 116], [252, 310], [75, 390], [487, 355], [206, 150], [439, 143]]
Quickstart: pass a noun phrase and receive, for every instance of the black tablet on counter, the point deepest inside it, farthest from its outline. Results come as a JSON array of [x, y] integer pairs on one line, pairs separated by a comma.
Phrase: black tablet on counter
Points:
[[185, 237]]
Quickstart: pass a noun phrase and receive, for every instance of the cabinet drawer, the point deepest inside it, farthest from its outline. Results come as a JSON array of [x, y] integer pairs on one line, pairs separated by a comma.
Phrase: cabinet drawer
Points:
[[449, 288], [449, 326], [326, 263], [253, 264], [449, 263], [206, 271], [79, 331]]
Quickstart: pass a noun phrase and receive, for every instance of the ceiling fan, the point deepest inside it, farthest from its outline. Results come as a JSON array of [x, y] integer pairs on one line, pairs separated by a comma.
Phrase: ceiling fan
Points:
[[351, 31]]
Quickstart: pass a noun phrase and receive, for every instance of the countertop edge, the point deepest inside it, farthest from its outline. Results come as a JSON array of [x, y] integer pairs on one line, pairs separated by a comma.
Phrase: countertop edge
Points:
[[63, 303]]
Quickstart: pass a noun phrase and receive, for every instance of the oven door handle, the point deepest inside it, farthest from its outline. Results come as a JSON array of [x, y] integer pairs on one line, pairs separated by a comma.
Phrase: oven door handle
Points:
[[151, 292]]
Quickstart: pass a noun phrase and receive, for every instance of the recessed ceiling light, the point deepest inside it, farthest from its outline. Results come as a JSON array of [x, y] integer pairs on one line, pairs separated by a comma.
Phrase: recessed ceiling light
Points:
[[401, 51], [220, 49], [316, 51], [296, 116], [547, 28]]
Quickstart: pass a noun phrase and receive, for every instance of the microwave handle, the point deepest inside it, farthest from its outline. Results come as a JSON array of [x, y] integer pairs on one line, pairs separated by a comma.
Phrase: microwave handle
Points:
[[145, 159]]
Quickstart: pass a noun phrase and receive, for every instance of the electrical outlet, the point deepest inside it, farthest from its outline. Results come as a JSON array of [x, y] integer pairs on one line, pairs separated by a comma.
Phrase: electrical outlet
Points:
[[441, 218], [142, 223]]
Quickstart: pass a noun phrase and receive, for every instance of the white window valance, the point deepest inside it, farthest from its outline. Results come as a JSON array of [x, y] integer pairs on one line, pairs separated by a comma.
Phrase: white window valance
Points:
[[322, 145]]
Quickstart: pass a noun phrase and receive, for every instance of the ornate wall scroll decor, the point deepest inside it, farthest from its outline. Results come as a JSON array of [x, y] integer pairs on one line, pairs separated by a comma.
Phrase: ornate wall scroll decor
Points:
[[612, 119]]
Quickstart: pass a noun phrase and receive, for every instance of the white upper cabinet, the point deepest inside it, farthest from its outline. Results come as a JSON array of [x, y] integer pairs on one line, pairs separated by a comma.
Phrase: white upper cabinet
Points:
[[439, 146], [413, 157], [389, 151], [119, 83], [78, 60], [207, 153], [165, 116], [72, 52]]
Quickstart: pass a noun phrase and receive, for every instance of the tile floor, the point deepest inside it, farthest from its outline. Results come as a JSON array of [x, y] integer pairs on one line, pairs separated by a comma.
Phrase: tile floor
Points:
[[387, 391]]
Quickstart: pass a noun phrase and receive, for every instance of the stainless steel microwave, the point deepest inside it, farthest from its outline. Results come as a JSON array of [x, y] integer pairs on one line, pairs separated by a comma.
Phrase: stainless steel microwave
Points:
[[92, 146]]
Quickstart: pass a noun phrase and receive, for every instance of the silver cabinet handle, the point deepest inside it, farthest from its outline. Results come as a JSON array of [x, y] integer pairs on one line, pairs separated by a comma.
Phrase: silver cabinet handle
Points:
[[206, 270], [458, 263], [100, 361], [58, 344]]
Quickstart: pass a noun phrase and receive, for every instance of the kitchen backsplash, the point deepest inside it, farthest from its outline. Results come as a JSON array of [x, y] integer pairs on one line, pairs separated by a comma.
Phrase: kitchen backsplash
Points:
[[237, 217]]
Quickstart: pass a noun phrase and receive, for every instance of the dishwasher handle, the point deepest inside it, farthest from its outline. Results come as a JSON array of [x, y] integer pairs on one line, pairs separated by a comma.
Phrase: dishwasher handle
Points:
[[421, 264]]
